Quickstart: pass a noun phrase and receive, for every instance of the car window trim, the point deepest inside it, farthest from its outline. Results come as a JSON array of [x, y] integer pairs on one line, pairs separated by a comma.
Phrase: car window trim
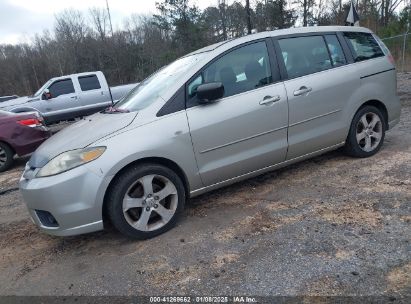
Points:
[[276, 63], [272, 64], [329, 51], [88, 76], [274, 67], [346, 48], [60, 80], [280, 60], [352, 48]]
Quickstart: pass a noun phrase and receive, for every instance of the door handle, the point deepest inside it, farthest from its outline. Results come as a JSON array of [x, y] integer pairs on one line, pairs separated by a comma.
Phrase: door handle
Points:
[[303, 90], [269, 99], [73, 97]]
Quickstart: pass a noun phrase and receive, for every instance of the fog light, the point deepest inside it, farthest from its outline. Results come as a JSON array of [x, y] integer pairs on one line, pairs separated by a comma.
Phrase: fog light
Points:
[[46, 218]]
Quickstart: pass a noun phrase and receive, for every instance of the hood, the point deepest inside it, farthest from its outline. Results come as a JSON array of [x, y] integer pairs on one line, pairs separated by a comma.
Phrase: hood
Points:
[[80, 135], [10, 104]]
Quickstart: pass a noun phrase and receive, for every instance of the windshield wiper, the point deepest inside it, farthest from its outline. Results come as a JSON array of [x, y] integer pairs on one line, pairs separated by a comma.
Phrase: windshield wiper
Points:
[[112, 110]]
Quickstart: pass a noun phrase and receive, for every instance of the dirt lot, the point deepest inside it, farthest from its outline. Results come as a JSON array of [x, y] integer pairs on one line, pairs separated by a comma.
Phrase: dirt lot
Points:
[[332, 225]]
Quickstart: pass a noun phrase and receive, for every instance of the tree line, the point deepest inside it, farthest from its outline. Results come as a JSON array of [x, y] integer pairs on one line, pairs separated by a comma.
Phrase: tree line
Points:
[[82, 42]]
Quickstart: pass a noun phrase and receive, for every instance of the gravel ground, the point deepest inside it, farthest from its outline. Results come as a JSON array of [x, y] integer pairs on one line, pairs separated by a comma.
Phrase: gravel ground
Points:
[[332, 225]]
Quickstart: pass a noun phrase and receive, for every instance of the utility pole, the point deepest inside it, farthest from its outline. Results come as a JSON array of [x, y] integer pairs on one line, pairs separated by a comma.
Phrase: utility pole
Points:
[[248, 11], [305, 13], [109, 17], [222, 11], [404, 46]]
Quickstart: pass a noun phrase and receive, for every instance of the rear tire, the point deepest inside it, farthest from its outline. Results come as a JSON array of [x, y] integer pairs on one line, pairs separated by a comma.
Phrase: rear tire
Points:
[[6, 157], [367, 133], [145, 201]]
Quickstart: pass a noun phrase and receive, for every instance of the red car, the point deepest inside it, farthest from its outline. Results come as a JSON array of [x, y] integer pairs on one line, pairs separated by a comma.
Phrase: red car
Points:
[[20, 134]]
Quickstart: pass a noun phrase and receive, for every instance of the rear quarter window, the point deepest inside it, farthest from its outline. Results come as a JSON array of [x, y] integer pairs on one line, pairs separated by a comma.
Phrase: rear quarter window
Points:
[[88, 83], [363, 46]]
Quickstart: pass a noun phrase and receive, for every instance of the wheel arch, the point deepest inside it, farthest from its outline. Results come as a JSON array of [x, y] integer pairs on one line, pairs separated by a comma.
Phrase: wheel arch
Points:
[[379, 105], [10, 146], [147, 160]]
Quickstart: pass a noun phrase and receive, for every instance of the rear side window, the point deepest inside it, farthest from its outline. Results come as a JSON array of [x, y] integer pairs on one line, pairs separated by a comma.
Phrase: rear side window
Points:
[[382, 45], [88, 83], [336, 52], [305, 55], [61, 87], [363, 46]]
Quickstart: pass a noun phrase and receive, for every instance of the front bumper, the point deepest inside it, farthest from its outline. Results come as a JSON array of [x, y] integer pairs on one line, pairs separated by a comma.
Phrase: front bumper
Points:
[[74, 198]]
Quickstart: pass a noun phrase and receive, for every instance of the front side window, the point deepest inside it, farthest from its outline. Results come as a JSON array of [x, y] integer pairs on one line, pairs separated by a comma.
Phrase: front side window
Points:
[[243, 69], [88, 83], [363, 46], [39, 91], [305, 55], [61, 87]]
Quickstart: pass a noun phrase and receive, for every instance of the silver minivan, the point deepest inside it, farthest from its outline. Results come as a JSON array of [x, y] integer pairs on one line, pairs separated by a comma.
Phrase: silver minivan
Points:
[[224, 113]]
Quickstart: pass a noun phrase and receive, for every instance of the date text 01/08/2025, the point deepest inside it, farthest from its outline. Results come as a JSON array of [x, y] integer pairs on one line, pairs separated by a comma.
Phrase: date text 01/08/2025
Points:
[[203, 299]]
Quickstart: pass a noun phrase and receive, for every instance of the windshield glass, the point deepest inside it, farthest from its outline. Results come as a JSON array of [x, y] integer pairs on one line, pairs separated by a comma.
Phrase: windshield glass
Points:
[[42, 88], [157, 84]]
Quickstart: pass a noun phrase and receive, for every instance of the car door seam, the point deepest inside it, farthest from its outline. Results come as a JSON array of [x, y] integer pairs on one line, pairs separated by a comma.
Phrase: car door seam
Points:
[[193, 149], [243, 139], [271, 167], [315, 117]]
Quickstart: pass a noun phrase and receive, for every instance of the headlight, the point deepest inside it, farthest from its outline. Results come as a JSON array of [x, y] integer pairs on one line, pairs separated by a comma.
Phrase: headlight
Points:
[[70, 160]]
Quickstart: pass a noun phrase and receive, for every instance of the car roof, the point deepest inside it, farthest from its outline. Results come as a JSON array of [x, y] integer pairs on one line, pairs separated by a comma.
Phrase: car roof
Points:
[[282, 32], [77, 75], [318, 29]]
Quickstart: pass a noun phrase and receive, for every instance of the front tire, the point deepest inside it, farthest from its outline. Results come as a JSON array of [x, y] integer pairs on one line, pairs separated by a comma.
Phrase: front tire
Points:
[[6, 157], [367, 133], [145, 201]]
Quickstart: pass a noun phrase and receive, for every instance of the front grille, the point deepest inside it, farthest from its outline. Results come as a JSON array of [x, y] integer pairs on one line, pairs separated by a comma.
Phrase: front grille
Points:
[[47, 219]]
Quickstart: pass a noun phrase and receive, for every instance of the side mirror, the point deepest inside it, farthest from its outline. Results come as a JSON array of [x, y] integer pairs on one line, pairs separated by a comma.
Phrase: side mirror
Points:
[[47, 94], [209, 92]]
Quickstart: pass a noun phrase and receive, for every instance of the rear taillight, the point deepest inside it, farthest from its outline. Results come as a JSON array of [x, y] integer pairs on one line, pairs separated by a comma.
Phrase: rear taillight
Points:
[[31, 122]]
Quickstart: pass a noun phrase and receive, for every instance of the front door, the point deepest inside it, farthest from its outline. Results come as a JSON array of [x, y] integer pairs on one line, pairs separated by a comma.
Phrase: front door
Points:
[[246, 130], [63, 97]]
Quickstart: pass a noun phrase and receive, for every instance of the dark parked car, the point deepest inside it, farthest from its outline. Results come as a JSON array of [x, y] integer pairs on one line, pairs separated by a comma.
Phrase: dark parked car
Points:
[[20, 134], [7, 98]]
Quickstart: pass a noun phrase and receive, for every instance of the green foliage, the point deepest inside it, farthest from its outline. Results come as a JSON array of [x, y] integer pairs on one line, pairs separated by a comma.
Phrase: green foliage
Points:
[[398, 24], [274, 14]]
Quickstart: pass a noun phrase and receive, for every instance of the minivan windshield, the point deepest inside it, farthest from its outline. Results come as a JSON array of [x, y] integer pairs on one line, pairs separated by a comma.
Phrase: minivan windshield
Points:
[[157, 84]]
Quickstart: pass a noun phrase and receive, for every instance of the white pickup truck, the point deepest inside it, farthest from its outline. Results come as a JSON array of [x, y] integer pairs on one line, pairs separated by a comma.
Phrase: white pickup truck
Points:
[[69, 96]]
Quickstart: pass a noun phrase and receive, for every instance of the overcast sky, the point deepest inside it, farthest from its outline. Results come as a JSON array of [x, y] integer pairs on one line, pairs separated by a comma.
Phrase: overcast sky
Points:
[[21, 19]]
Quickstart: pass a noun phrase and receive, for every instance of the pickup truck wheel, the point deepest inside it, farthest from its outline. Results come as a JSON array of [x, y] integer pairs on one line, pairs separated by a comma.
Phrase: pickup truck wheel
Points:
[[145, 201], [6, 157], [367, 132]]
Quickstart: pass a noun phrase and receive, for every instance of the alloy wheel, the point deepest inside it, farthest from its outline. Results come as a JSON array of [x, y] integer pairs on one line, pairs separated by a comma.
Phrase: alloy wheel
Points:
[[369, 131], [3, 157], [150, 202]]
